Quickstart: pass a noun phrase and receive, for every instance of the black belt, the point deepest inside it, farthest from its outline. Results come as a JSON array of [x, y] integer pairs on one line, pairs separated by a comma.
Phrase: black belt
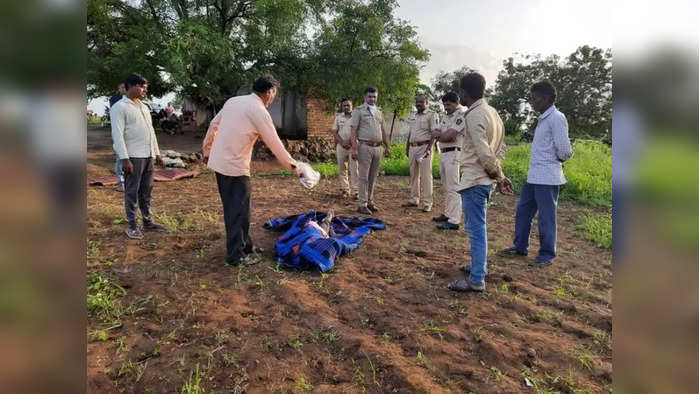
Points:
[[449, 149]]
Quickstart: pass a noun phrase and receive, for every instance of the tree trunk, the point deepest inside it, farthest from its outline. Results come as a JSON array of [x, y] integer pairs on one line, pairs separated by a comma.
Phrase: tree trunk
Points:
[[393, 121]]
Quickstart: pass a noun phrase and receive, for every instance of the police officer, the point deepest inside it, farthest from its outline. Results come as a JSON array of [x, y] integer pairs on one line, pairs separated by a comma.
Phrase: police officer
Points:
[[449, 137], [368, 134], [342, 132], [418, 148]]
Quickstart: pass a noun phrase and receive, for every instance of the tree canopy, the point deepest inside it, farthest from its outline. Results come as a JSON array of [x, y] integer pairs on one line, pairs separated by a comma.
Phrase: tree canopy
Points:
[[209, 49]]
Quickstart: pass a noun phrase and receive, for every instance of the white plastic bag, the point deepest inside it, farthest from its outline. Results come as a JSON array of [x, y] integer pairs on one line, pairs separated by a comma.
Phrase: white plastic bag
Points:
[[308, 176]]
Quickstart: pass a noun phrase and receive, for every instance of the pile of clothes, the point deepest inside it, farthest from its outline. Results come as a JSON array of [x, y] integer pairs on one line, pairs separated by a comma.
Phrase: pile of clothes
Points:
[[314, 240]]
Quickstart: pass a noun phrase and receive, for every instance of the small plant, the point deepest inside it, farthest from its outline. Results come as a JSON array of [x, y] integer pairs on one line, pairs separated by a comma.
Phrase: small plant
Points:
[[585, 358], [294, 342], [329, 335], [358, 374], [193, 384], [421, 359], [99, 335], [228, 360], [497, 374], [303, 385], [103, 299], [597, 229], [477, 334], [93, 250]]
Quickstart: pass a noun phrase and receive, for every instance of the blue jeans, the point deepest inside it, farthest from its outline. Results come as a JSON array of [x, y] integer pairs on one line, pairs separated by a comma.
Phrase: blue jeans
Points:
[[474, 202], [119, 172], [544, 199]]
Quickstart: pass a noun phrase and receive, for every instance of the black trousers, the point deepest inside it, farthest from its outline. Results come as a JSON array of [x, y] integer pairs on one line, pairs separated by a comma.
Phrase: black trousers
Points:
[[138, 186], [235, 196]]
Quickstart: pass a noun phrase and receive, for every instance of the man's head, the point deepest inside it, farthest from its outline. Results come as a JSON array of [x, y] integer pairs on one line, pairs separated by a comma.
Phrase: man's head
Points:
[[543, 95], [136, 86], [371, 96], [266, 87], [450, 102], [346, 106], [420, 103], [473, 88], [121, 88]]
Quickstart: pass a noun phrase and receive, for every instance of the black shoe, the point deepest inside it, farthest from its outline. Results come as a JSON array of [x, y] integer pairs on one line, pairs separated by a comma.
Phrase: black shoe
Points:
[[373, 208], [447, 226], [440, 218], [236, 262], [541, 264], [512, 251], [152, 226]]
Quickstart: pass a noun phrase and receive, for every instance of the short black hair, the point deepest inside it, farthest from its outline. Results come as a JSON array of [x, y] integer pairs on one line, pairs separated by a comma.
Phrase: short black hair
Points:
[[342, 100], [473, 84], [450, 97], [370, 90], [544, 88], [264, 83], [134, 80]]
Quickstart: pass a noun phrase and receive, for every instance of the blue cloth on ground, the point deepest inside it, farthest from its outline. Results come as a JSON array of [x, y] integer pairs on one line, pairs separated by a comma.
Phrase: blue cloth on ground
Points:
[[304, 246]]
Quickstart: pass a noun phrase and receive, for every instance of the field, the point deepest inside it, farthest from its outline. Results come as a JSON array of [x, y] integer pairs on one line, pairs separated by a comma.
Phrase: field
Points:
[[166, 315]]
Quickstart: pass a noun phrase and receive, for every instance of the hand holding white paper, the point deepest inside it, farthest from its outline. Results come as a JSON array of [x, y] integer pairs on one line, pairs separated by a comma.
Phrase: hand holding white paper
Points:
[[307, 175]]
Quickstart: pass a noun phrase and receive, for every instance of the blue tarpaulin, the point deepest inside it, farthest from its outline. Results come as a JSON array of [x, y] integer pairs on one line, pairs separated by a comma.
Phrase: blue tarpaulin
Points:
[[305, 246]]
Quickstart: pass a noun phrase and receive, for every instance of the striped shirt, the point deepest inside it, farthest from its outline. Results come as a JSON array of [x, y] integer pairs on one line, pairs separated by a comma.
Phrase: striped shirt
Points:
[[551, 147]]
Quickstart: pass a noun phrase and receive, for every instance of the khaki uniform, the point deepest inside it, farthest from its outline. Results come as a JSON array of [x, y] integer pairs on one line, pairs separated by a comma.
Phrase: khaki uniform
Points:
[[369, 130], [421, 127], [449, 164], [484, 146], [345, 161]]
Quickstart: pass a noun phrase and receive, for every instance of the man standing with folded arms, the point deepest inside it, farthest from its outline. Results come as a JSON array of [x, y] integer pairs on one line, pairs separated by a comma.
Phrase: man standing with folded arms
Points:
[[418, 148], [450, 136], [136, 146], [480, 162], [368, 133], [550, 148], [228, 144]]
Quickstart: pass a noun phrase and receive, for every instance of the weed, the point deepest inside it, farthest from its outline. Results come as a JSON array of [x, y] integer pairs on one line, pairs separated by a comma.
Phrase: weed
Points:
[[329, 335], [103, 299], [358, 374], [193, 384], [229, 359], [303, 385], [497, 374], [585, 358], [430, 327], [93, 250], [477, 334], [294, 342], [421, 359], [598, 229], [549, 317], [505, 288], [99, 335]]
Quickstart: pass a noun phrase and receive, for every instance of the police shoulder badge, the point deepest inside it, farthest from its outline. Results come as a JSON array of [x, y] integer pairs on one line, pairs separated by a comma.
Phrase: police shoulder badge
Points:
[[458, 121]]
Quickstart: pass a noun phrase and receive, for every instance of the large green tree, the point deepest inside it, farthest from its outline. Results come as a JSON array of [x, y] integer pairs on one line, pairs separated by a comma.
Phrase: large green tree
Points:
[[583, 81], [209, 49]]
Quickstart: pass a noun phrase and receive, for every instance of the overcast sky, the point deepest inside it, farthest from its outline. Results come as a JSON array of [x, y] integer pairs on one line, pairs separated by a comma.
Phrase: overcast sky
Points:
[[481, 34]]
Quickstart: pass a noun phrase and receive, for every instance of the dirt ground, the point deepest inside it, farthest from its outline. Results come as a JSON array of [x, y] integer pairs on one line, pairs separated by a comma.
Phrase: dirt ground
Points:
[[381, 321]]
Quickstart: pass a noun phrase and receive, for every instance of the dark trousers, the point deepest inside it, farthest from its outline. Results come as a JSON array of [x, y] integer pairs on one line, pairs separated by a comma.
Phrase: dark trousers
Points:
[[138, 186], [235, 196], [544, 199]]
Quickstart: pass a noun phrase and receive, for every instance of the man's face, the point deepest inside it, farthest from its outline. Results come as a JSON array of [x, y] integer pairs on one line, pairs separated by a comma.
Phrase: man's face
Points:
[[371, 98], [269, 96], [449, 107], [122, 89], [347, 107], [539, 102], [420, 103], [138, 91]]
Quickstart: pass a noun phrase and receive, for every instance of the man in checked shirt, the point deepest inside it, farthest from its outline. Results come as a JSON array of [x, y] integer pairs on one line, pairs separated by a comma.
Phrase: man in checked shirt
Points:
[[551, 147]]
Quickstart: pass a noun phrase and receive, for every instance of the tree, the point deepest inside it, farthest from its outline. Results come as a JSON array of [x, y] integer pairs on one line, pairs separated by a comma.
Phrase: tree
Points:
[[208, 50], [583, 81], [445, 82]]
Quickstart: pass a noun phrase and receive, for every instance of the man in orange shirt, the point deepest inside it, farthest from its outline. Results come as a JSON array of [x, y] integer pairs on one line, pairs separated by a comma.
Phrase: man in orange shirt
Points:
[[229, 143]]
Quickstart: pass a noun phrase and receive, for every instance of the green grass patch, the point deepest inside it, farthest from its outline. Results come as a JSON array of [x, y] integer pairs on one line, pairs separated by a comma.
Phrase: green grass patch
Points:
[[103, 299], [598, 229], [589, 172]]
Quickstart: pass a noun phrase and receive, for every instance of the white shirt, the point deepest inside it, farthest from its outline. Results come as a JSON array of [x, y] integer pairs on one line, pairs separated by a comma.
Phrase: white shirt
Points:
[[550, 148], [132, 130]]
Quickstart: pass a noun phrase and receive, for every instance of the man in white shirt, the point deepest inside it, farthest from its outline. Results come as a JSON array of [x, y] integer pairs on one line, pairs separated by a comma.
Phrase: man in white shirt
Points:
[[228, 144], [117, 165], [550, 148], [136, 146]]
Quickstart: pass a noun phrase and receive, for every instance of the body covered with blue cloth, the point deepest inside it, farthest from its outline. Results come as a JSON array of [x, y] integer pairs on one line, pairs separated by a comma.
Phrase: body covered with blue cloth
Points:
[[306, 244]]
